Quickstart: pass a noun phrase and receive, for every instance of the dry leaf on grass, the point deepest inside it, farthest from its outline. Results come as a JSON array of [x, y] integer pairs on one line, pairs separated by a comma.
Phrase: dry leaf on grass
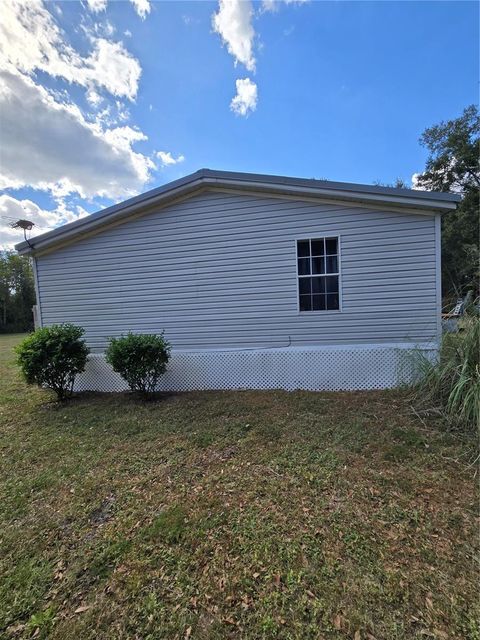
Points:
[[338, 622], [82, 609]]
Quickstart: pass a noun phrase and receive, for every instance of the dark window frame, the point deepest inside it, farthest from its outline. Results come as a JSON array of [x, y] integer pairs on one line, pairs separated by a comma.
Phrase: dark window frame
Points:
[[312, 267]]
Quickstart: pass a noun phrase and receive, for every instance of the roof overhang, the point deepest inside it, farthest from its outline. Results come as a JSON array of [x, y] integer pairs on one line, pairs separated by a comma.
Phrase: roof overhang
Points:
[[426, 201]]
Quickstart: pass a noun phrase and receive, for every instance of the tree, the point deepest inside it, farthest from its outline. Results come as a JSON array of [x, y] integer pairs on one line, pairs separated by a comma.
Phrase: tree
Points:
[[454, 165], [17, 293]]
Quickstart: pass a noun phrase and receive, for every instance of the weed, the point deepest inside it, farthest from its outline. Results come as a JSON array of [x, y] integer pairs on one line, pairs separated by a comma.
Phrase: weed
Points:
[[41, 623]]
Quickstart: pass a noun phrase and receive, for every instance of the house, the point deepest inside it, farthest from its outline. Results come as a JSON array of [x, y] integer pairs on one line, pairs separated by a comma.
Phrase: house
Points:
[[258, 281]]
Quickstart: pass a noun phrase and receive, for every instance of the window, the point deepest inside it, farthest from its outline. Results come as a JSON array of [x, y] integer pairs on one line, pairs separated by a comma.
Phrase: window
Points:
[[318, 274]]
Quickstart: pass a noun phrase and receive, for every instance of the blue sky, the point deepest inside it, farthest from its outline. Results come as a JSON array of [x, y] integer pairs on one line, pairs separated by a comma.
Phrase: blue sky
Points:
[[104, 99]]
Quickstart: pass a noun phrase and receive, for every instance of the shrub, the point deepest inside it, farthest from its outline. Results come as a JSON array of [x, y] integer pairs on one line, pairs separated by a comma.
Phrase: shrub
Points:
[[52, 357], [140, 359], [453, 383]]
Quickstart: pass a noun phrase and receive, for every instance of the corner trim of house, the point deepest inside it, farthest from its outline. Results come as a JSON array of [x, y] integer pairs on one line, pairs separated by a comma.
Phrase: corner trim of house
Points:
[[37, 291], [438, 274]]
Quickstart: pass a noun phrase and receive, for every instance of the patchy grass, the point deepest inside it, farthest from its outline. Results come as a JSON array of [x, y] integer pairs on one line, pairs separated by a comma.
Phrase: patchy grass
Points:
[[232, 515]]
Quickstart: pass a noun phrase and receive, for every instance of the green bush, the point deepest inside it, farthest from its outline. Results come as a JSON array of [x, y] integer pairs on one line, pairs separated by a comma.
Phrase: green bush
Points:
[[140, 359], [453, 383], [52, 357]]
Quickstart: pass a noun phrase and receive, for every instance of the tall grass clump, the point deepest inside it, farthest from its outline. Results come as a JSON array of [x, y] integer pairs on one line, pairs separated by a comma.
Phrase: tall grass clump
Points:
[[452, 383]]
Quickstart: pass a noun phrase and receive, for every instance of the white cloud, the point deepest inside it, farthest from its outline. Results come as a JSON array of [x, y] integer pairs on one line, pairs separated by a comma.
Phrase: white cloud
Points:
[[448, 172], [31, 40], [93, 97], [12, 209], [49, 145], [415, 184], [109, 28], [167, 159], [272, 5], [246, 99], [142, 7], [112, 67], [98, 28], [233, 23], [97, 5]]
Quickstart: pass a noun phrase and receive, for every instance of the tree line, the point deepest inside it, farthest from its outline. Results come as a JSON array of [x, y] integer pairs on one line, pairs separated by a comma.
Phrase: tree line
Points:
[[17, 293], [453, 165]]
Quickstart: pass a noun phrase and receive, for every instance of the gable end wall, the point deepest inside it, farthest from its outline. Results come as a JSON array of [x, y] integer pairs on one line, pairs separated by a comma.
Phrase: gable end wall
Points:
[[218, 271]]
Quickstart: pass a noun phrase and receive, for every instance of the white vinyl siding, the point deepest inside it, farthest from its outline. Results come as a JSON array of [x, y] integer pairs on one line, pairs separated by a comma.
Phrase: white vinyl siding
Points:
[[219, 270]]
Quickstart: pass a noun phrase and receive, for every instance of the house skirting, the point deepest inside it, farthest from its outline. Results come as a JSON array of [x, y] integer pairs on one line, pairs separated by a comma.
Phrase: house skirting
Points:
[[325, 368]]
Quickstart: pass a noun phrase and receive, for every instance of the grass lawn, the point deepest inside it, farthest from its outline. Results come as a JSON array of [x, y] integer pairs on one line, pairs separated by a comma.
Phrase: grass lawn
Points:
[[232, 515]]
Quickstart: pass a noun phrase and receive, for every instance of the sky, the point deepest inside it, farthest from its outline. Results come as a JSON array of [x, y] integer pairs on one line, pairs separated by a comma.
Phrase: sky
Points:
[[101, 100]]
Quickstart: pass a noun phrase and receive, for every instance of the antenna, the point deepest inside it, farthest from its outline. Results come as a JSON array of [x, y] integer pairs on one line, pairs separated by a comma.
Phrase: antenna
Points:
[[26, 225]]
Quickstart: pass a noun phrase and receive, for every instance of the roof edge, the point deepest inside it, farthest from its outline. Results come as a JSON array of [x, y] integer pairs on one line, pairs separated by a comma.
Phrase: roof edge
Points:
[[426, 200]]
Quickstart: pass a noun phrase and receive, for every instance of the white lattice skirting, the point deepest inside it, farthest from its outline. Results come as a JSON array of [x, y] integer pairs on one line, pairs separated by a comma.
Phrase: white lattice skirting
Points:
[[329, 368]]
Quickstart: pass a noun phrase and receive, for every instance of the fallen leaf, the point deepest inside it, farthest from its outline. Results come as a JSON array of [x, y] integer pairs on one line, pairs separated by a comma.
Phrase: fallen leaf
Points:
[[82, 609], [188, 632], [357, 635]]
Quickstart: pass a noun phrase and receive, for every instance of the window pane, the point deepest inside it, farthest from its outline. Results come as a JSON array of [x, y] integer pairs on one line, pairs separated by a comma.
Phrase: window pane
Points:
[[305, 286], [332, 264], [305, 303], [318, 265], [331, 245], [318, 247], [303, 248], [332, 301], [331, 283], [304, 266], [318, 285], [319, 303]]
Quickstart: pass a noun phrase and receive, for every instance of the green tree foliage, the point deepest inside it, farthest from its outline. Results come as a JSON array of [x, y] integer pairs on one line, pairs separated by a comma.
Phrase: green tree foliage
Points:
[[140, 359], [52, 357], [454, 165], [17, 293]]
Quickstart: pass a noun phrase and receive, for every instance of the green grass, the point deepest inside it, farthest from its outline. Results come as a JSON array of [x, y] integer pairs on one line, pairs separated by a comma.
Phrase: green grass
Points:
[[232, 515]]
